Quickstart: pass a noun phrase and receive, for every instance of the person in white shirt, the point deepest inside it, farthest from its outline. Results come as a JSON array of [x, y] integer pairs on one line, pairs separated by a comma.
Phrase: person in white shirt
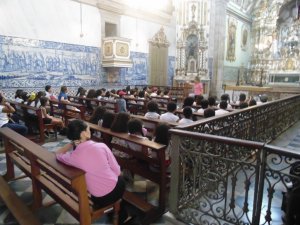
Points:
[[169, 116], [187, 113], [204, 105], [152, 110], [5, 109], [49, 93], [225, 97], [222, 110]]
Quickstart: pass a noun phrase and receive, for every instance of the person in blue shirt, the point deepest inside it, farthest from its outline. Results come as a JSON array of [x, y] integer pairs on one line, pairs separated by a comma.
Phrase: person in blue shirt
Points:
[[121, 102]]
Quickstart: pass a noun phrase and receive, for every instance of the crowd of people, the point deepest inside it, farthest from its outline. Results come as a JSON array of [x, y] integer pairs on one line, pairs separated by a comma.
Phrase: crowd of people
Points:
[[103, 174]]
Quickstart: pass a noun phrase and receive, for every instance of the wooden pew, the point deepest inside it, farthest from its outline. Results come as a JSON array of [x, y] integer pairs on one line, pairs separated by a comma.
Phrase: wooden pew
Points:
[[140, 164], [23, 111], [161, 101], [16, 206], [65, 184], [67, 110], [109, 105], [151, 124], [137, 108]]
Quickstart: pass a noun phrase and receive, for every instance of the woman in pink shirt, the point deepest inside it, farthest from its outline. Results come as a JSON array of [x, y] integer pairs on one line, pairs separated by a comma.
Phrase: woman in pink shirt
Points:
[[103, 179], [198, 87]]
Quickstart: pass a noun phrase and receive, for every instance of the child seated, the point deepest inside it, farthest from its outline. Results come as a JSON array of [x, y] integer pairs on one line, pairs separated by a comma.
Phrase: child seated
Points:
[[135, 128], [169, 116], [187, 113], [47, 119]]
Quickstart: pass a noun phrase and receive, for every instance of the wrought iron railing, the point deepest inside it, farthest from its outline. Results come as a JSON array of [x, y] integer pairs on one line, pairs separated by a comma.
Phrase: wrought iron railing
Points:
[[218, 178], [259, 123]]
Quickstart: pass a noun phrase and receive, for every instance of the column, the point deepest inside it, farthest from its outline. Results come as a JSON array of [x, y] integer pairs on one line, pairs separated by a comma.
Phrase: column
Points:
[[216, 51]]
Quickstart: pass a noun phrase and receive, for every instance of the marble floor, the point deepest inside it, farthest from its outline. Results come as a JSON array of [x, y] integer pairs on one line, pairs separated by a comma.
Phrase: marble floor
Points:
[[55, 215]]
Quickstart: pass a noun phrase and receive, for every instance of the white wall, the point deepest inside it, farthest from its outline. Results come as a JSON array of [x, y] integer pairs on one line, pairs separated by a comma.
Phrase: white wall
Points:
[[141, 31], [50, 20]]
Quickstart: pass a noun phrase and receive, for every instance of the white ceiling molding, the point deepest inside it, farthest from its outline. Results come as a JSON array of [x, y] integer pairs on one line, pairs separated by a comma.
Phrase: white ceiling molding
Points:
[[119, 7]]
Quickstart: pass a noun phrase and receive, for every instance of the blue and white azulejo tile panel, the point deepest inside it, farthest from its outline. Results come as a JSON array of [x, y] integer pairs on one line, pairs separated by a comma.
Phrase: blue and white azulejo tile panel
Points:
[[31, 63]]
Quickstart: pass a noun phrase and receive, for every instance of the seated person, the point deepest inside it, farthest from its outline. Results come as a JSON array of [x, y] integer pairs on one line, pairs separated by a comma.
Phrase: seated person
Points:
[[5, 110], [152, 107], [204, 105], [47, 119], [242, 99], [225, 97], [222, 110], [102, 171], [135, 128], [170, 116], [162, 136], [252, 102], [187, 113], [209, 113], [121, 102], [119, 125], [263, 99], [212, 102], [188, 101], [243, 105]]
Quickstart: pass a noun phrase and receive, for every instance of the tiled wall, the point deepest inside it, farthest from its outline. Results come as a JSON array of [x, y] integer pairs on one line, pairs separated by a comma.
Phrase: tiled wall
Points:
[[32, 64]]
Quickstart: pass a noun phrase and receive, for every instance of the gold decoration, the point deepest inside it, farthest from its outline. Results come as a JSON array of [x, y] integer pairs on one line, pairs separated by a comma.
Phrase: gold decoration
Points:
[[108, 49], [231, 40], [289, 65], [122, 49]]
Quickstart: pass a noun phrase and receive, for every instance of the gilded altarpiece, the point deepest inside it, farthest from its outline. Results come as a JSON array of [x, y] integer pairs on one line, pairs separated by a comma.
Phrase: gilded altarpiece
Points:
[[276, 32], [192, 42]]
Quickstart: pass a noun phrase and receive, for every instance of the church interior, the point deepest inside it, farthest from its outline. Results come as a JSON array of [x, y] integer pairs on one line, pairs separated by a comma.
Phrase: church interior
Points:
[[237, 167]]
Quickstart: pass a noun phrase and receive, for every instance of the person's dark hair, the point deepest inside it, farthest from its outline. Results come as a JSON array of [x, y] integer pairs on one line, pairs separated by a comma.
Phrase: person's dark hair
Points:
[[43, 101], [63, 89], [47, 87], [211, 101], [120, 123], [223, 105], [243, 105], [97, 114], [98, 93], [75, 127], [161, 134], [158, 92], [1, 98], [209, 113], [198, 99], [166, 92], [135, 126], [187, 112], [252, 102], [171, 106], [152, 106], [107, 94], [38, 97], [204, 104], [19, 93], [263, 98], [107, 119], [132, 91], [188, 101], [24, 96], [91, 93], [79, 90], [242, 97], [141, 94], [225, 97]]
